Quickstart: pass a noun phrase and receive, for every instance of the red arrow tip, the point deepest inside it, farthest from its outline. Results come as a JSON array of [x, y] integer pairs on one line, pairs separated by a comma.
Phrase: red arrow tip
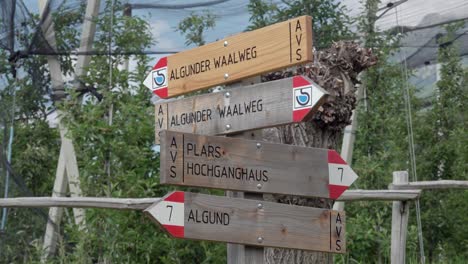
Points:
[[299, 115], [162, 93], [161, 63], [299, 81], [177, 196], [175, 231], [334, 157], [336, 191]]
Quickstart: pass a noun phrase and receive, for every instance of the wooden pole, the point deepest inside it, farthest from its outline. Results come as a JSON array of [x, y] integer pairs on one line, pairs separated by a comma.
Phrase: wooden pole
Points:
[[380, 195], [67, 168], [55, 214], [239, 254], [87, 36], [127, 12], [442, 184], [71, 173], [58, 92], [349, 135], [142, 203], [400, 214], [80, 202]]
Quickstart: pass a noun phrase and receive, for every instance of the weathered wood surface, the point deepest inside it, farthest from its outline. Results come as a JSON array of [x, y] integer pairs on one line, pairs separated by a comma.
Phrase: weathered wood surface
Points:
[[442, 184], [233, 58], [250, 222], [244, 108], [400, 214], [67, 169], [247, 165], [80, 202], [238, 253], [380, 195], [143, 203]]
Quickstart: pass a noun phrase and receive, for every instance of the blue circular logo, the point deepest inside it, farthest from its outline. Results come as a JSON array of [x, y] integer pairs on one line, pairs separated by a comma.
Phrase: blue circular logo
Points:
[[159, 79], [303, 98]]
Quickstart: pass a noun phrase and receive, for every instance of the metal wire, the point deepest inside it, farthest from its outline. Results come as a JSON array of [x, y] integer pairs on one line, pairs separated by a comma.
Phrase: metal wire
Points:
[[409, 124], [9, 150], [111, 107]]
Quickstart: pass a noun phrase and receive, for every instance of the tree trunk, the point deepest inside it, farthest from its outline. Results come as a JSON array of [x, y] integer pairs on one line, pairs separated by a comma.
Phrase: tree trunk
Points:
[[336, 71]]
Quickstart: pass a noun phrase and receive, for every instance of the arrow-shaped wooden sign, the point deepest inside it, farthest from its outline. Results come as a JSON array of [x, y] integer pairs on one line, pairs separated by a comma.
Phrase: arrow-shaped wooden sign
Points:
[[250, 222], [234, 58], [246, 165], [257, 106]]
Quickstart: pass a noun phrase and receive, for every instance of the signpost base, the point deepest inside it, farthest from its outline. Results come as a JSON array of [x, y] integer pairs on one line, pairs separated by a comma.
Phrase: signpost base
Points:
[[239, 254]]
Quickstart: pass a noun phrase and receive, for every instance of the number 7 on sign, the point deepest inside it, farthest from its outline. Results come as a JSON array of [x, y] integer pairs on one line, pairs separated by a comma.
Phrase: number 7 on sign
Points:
[[170, 213], [341, 169], [341, 176]]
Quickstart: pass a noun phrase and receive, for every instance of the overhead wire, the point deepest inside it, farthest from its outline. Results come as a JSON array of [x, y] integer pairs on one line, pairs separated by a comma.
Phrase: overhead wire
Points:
[[409, 123], [389, 6], [176, 6], [419, 12], [414, 17]]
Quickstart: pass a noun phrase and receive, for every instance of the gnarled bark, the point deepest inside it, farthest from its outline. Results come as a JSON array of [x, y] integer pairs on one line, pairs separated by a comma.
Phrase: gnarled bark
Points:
[[336, 70]]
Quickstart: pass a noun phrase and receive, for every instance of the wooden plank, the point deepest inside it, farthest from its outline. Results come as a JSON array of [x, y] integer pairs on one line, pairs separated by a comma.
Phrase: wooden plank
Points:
[[244, 108], [442, 184], [80, 202], [247, 165], [71, 172], [143, 203], [87, 36], [250, 222], [400, 214], [233, 58], [379, 195], [71, 169], [55, 214], [58, 93]]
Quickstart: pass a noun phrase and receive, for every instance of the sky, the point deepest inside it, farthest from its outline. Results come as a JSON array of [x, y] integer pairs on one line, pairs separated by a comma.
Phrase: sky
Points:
[[233, 17]]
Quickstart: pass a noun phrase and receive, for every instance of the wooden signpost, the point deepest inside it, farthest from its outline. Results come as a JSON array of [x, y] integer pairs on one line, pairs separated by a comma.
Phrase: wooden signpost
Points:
[[246, 165], [256, 106], [250, 222], [233, 58], [189, 159]]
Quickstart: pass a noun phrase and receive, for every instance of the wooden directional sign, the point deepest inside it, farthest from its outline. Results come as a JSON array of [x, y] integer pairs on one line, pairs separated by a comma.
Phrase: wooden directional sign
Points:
[[233, 58], [251, 107], [246, 165], [250, 222]]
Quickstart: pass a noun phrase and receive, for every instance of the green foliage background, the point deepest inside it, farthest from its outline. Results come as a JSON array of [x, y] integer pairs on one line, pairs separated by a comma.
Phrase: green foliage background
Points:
[[117, 159]]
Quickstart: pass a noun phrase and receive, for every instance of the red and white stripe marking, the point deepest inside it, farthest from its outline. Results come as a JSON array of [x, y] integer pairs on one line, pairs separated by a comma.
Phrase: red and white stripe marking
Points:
[[302, 85], [341, 176], [170, 213], [159, 68]]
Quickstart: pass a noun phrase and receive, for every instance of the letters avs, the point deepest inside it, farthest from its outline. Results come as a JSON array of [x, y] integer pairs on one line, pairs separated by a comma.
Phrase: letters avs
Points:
[[234, 58]]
